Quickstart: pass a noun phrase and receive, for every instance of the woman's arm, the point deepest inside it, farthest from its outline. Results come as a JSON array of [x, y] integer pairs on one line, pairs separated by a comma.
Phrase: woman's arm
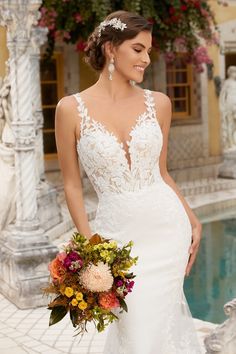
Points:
[[164, 113], [66, 118]]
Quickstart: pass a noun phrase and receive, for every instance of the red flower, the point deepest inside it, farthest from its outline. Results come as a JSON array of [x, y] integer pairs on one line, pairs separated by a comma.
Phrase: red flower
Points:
[[175, 19], [183, 8], [171, 10], [80, 46], [151, 20]]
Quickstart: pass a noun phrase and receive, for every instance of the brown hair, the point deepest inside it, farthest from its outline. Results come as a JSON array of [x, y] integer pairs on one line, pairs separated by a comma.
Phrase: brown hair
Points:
[[94, 54]]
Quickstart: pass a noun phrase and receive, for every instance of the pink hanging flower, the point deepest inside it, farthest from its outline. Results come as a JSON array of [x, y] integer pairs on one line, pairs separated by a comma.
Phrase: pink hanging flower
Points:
[[169, 57], [66, 35], [78, 17], [180, 43], [200, 57]]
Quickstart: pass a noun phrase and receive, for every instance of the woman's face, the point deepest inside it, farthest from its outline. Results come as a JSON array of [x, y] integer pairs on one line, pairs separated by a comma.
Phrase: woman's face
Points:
[[133, 56]]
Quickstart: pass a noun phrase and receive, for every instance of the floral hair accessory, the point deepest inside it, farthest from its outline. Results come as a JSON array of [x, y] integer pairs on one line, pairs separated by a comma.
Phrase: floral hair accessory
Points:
[[114, 22]]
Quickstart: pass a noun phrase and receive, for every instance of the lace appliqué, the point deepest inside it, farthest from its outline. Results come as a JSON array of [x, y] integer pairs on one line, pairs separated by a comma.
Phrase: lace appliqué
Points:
[[104, 157]]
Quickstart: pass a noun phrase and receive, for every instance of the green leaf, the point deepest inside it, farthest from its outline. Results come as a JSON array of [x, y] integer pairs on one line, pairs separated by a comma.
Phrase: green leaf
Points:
[[73, 317], [130, 275], [114, 315], [57, 314], [123, 304]]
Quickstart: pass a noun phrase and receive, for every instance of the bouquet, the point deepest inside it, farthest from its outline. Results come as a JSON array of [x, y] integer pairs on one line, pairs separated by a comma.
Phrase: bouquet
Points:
[[89, 279]]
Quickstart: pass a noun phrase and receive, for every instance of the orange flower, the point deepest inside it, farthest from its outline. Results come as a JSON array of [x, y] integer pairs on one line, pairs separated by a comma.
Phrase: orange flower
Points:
[[57, 270], [108, 300]]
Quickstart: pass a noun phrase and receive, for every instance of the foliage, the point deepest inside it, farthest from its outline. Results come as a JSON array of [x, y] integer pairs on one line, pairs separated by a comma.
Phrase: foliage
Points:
[[177, 24]]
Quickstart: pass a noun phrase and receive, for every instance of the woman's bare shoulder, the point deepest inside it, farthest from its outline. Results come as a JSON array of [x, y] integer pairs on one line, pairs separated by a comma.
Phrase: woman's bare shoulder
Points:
[[161, 98], [66, 102]]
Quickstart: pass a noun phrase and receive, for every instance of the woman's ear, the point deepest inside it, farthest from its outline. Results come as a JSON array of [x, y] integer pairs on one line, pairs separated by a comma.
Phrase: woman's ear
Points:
[[108, 50]]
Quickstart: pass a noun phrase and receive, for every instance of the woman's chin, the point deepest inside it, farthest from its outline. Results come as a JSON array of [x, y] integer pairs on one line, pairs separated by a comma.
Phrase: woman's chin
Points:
[[138, 80]]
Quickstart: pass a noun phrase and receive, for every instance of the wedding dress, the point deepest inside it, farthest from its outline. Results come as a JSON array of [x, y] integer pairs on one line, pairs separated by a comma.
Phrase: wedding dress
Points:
[[136, 204]]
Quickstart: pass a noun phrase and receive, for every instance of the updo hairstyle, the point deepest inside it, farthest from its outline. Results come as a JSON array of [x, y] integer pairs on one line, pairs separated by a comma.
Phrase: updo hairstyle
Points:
[[94, 52]]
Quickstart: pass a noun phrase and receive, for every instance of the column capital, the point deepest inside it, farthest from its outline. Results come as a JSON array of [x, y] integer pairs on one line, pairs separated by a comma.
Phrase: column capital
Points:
[[20, 17]]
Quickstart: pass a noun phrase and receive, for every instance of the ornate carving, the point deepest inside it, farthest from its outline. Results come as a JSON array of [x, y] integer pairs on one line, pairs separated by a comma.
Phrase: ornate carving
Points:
[[38, 38], [222, 339], [5, 111], [19, 17]]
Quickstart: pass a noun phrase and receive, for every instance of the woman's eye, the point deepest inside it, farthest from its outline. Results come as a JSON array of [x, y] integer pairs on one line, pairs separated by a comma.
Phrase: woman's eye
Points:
[[137, 50]]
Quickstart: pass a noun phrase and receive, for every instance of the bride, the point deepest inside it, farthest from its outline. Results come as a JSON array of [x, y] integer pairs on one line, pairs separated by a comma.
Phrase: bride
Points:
[[119, 131]]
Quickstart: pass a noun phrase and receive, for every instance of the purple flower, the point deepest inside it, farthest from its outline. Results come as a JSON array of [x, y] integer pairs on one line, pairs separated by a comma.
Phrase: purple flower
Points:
[[119, 282], [73, 261], [129, 285]]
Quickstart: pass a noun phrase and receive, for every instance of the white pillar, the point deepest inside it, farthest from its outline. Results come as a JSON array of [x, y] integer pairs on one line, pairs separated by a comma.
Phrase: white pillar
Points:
[[25, 250]]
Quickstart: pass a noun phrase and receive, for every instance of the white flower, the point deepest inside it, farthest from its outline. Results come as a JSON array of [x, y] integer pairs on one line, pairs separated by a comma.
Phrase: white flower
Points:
[[97, 278]]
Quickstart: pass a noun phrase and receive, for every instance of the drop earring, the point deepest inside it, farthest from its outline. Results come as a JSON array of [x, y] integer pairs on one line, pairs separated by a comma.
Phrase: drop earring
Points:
[[132, 82], [111, 68]]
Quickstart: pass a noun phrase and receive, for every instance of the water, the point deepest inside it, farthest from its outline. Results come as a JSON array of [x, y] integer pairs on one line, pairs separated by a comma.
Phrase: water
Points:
[[212, 281]]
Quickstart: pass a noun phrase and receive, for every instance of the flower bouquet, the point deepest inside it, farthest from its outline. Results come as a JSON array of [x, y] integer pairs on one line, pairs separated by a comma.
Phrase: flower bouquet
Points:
[[89, 279]]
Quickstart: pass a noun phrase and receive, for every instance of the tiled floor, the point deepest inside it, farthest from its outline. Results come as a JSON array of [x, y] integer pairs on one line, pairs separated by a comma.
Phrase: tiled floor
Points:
[[27, 332]]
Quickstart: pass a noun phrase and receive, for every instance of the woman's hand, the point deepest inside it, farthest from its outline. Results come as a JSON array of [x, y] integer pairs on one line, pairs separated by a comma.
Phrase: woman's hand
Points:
[[196, 238]]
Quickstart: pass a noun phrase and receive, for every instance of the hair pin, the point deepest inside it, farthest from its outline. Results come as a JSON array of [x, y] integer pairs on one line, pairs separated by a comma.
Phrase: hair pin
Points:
[[114, 22]]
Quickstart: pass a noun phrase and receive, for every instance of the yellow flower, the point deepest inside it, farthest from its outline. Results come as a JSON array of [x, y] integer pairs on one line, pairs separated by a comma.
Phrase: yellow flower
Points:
[[82, 305], [79, 296], [113, 244], [106, 245], [104, 253], [74, 302], [108, 258], [69, 291]]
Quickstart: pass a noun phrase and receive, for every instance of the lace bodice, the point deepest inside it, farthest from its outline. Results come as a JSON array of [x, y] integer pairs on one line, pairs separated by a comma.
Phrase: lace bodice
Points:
[[104, 158]]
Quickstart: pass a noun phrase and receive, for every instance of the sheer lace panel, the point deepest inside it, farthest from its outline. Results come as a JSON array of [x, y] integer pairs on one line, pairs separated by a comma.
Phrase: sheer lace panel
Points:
[[104, 158]]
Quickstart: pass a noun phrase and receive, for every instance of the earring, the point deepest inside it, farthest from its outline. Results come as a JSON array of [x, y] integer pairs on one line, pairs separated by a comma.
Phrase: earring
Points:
[[132, 82], [111, 68]]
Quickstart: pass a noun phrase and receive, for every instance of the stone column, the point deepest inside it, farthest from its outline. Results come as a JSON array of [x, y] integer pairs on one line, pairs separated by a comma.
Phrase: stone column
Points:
[[38, 38], [25, 250], [48, 209]]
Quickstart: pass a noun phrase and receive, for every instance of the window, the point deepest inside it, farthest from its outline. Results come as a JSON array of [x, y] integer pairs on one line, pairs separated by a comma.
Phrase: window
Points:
[[179, 88], [51, 73], [230, 59]]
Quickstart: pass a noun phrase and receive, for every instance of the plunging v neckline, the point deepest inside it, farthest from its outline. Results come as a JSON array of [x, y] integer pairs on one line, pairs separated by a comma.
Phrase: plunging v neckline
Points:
[[110, 133]]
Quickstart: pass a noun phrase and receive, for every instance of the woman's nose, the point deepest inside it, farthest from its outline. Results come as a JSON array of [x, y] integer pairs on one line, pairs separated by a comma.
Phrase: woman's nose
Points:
[[146, 58]]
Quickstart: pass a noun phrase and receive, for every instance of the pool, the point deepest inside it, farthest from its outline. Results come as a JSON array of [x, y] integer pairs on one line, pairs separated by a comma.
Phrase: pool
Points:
[[212, 281]]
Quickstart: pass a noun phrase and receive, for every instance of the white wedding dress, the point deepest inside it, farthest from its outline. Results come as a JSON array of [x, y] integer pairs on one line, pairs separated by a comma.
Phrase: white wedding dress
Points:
[[136, 204]]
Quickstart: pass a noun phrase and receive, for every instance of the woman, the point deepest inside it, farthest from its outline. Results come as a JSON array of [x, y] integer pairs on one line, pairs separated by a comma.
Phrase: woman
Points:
[[120, 133]]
